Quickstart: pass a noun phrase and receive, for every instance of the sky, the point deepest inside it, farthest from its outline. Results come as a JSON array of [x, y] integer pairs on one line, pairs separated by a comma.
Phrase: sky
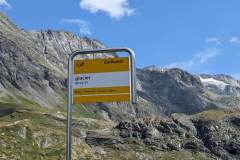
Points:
[[198, 36]]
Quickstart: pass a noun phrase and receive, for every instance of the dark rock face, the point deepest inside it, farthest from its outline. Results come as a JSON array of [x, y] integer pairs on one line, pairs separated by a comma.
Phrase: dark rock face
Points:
[[162, 134], [173, 90], [111, 142], [219, 138]]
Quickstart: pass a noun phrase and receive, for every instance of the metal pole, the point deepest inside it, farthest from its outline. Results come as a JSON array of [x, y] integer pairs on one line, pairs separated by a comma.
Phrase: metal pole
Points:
[[70, 80], [69, 110], [133, 75]]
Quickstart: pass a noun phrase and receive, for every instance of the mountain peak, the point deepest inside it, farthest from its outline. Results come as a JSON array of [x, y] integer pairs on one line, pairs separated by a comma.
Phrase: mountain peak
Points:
[[154, 68]]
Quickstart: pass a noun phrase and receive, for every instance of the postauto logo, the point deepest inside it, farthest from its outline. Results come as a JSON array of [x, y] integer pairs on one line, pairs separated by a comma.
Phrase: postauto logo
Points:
[[81, 64]]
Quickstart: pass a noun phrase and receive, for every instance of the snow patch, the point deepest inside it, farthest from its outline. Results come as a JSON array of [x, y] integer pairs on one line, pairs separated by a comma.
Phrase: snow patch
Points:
[[212, 81]]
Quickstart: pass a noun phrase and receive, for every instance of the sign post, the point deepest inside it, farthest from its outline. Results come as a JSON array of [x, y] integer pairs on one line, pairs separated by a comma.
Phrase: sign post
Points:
[[99, 80]]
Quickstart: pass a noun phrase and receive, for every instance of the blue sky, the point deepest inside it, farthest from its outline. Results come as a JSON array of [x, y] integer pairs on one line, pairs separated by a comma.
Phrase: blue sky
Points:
[[199, 36]]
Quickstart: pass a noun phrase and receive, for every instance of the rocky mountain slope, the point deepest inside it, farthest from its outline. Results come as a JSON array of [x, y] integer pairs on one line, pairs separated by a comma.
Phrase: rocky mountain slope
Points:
[[175, 90], [33, 64], [177, 115], [33, 71]]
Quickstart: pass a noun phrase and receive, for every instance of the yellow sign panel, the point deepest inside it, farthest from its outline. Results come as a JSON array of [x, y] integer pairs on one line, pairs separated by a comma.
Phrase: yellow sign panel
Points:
[[101, 65], [101, 80]]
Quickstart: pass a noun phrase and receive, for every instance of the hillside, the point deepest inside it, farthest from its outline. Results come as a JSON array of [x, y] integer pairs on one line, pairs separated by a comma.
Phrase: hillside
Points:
[[178, 114]]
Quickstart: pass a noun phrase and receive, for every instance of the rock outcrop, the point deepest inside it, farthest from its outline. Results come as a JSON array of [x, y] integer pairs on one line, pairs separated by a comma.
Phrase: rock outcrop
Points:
[[215, 137]]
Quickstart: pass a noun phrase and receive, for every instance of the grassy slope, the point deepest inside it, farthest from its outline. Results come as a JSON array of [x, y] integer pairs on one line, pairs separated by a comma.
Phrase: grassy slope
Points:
[[33, 132], [39, 133]]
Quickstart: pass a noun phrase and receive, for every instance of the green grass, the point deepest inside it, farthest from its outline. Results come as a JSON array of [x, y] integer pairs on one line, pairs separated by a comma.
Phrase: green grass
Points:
[[83, 111], [16, 147], [39, 127], [215, 114]]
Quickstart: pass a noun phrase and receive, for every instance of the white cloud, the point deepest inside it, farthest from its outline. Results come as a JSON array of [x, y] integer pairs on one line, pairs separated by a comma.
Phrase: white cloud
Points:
[[198, 59], [235, 40], [5, 4], [203, 57], [84, 27], [213, 40], [114, 8]]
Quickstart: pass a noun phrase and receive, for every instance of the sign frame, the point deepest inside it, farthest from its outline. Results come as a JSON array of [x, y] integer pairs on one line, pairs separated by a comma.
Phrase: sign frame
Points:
[[71, 57]]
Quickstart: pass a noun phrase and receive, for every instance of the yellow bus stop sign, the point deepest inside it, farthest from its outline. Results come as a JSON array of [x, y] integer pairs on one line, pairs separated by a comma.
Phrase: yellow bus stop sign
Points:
[[101, 80]]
